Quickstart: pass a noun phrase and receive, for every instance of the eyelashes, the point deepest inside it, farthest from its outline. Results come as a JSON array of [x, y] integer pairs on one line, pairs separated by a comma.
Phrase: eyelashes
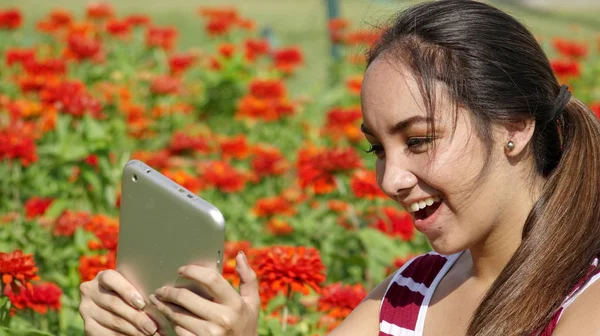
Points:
[[414, 144]]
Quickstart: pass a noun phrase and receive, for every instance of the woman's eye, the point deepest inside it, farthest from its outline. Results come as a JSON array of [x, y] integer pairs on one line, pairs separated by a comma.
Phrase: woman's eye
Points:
[[376, 149], [417, 142]]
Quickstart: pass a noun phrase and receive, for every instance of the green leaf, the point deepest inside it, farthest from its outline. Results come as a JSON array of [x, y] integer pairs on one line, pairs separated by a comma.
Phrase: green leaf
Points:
[[56, 208], [30, 332]]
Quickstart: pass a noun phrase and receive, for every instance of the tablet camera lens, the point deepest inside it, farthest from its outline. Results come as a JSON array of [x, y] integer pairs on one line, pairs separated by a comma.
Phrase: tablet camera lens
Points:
[[190, 196], [147, 171], [134, 178]]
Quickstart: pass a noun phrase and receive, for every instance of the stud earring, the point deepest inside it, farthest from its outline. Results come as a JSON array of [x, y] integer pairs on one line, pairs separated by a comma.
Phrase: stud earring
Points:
[[510, 145]]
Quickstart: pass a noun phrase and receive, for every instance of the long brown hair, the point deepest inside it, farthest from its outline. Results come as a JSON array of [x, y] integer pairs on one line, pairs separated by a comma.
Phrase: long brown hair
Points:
[[492, 65]]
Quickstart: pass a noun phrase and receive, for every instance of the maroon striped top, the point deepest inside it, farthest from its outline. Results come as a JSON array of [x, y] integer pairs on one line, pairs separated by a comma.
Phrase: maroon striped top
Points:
[[407, 298]]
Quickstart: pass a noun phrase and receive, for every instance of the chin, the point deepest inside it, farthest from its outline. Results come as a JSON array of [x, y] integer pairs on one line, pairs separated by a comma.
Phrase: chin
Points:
[[445, 246]]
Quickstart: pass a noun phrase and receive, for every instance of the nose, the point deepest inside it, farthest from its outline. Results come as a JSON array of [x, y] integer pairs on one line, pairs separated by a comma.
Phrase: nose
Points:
[[394, 179]]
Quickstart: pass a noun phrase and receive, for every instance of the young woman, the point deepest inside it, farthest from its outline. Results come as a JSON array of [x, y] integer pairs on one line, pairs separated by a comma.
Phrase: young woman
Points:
[[500, 167]]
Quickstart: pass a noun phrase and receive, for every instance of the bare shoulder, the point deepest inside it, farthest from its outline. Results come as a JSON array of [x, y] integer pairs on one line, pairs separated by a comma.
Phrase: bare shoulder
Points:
[[582, 317], [364, 319]]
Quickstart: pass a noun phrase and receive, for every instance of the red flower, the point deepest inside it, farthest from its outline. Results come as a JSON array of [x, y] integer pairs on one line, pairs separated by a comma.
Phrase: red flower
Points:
[[178, 63], [72, 98], [268, 161], [39, 297], [570, 49], [399, 262], [235, 147], [16, 144], [107, 235], [364, 185], [165, 85], [181, 143], [17, 269], [566, 68], [285, 269], [266, 101], [82, 47], [596, 109], [344, 123], [159, 160], [60, 18], [118, 28], [10, 19], [354, 84], [317, 166], [100, 10], [19, 56], [276, 205], [37, 206], [45, 67], [222, 176], [137, 20], [338, 300], [362, 37], [90, 266], [69, 221], [267, 88], [287, 59], [218, 27], [256, 48], [161, 37], [395, 223]]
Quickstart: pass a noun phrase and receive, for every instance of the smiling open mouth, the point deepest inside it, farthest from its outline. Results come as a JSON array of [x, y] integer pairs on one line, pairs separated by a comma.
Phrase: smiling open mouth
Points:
[[427, 211]]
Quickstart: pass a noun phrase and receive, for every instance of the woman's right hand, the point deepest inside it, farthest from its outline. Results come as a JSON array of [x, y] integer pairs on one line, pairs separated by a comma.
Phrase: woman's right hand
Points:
[[110, 305]]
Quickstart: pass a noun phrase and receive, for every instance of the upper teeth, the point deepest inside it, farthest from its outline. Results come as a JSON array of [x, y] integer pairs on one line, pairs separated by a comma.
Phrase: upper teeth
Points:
[[422, 204]]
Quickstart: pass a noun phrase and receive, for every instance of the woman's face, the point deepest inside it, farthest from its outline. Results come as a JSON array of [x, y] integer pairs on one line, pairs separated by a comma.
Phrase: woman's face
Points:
[[461, 210]]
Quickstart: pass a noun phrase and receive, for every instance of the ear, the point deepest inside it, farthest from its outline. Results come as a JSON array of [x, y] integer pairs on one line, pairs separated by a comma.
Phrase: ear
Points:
[[520, 133]]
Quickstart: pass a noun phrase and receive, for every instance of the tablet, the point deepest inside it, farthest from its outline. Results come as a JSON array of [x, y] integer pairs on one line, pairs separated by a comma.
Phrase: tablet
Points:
[[163, 226]]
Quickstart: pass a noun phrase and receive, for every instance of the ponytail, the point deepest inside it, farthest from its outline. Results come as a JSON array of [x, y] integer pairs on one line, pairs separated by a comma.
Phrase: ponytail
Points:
[[561, 237]]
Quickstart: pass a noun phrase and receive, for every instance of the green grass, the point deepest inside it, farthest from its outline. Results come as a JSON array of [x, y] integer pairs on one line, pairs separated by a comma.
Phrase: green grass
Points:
[[303, 22]]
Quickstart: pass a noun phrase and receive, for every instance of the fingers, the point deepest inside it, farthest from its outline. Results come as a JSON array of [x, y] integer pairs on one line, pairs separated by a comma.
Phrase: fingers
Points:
[[197, 305], [182, 319], [111, 302], [102, 322], [213, 282], [248, 280], [114, 281]]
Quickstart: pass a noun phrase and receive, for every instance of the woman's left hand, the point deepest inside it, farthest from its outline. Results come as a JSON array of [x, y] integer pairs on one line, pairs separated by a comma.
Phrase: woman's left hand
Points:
[[229, 313]]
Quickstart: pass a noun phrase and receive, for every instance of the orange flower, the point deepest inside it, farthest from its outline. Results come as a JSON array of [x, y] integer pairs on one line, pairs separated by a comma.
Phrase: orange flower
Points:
[[338, 300], [220, 19], [570, 49], [336, 29], [137, 20], [338, 206], [165, 85], [184, 179], [316, 167], [222, 176], [235, 147], [354, 84], [395, 223], [279, 227], [218, 27], [227, 49], [364, 185], [231, 250], [362, 37], [39, 297], [107, 237], [37, 206], [277, 205], [596, 109], [288, 269], [158, 160], [287, 59], [17, 269], [266, 101], [61, 17], [268, 161], [90, 266]]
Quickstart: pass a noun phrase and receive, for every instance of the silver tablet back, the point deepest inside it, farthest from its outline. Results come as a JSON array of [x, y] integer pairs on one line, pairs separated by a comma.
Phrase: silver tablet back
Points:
[[163, 226]]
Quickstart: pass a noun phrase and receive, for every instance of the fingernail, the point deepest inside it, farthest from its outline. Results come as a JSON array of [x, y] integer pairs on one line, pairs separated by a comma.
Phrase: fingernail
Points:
[[138, 301], [181, 269], [149, 327], [153, 299], [244, 256]]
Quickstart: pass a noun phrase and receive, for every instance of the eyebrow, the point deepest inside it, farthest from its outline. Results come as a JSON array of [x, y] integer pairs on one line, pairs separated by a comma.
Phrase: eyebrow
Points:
[[399, 126]]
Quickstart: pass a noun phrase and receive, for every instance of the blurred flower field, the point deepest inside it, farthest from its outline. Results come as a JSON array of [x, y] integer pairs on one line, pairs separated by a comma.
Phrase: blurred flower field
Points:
[[86, 94]]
